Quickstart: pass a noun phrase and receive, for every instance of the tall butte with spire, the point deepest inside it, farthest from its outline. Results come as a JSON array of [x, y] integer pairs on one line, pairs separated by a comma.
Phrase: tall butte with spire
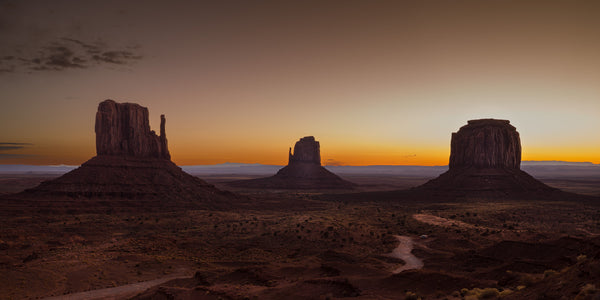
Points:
[[132, 168], [304, 171], [485, 157], [123, 129]]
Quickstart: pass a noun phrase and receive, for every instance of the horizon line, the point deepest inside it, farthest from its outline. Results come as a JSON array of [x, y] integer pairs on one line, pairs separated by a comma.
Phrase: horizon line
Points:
[[374, 165]]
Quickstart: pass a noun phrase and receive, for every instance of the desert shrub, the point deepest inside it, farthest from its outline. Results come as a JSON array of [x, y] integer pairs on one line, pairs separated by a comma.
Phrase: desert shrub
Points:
[[527, 280], [588, 289], [412, 296], [488, 293], [477, 293], [505, 292], [549, 273]]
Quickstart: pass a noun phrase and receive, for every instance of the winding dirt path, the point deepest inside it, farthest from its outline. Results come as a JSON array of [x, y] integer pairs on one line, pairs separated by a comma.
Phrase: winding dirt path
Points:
[[404, 252], [120, 292]]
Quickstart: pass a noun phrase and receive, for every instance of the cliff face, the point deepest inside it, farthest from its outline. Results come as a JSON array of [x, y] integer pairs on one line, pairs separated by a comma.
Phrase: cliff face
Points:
[[124, 129], [306, 150], [485, 159], [486, 143]]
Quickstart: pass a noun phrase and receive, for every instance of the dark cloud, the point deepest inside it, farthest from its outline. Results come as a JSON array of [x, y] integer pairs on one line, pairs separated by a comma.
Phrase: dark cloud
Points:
[[4, 148], [7, 69], [91, 49], [67, 53], [333, 162], [116, 57], [13, 146], [12, 156], [57, 58]]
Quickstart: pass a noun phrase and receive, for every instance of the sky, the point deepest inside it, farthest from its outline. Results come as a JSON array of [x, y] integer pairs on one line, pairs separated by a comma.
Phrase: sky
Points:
[[376, 82]]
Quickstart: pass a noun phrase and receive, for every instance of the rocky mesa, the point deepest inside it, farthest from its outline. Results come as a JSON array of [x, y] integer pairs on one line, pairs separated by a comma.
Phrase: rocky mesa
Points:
[[485, 157], [486, 143]]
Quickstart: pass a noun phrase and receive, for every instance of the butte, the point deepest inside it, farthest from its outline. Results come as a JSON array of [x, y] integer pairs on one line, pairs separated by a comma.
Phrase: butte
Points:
[[485, 159], [304, 171], [132, 170]]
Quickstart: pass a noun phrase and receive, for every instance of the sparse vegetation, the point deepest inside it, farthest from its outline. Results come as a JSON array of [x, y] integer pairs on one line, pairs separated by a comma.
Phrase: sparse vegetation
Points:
[[549, 273], [587, 290], [479, 293], [145, 246], [411, 296]]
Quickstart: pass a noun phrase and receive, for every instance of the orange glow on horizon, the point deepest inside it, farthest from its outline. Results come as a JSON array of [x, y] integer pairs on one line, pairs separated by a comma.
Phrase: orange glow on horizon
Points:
[[278, 156]]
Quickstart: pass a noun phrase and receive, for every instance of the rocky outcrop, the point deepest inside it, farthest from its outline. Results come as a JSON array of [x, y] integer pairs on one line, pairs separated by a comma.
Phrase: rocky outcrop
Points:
[[306, 150], [485, 158], [304, 171], [132, 170], [124, 129], [486, 143]]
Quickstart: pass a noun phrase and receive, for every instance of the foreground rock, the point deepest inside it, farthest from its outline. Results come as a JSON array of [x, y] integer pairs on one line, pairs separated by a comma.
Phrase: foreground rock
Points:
[[132, 170], [304, 171], [485, 157]]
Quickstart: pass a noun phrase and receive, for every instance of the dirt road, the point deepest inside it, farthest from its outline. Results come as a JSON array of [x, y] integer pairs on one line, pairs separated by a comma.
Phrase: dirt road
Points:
[[120, 292], [404, 252]]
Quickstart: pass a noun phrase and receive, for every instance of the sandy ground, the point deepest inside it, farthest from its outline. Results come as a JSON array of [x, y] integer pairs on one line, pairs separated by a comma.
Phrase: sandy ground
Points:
[[295, 245], [439, 221], [404, 252]]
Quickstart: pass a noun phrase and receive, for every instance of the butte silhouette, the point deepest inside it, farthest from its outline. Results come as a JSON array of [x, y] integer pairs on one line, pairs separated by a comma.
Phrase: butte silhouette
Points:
[[485, 158], [304, 171], [132, 163]]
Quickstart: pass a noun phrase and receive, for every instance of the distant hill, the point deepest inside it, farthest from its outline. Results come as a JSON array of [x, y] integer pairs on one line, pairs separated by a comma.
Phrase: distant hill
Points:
[[32, 169], [535, 168], [556, 163], [232, 168], [546, 169]]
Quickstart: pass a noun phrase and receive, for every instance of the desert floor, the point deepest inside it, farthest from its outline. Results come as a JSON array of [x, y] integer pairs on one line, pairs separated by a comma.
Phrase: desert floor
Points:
[[306, 245]]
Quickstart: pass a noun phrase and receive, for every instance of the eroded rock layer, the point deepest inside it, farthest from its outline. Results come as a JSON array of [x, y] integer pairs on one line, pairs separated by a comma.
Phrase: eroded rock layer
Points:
[[306, 150], [486, 143], [124, 129]]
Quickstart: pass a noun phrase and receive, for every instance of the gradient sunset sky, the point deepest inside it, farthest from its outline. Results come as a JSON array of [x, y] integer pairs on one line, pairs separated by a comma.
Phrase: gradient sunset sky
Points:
[[376, 82]]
